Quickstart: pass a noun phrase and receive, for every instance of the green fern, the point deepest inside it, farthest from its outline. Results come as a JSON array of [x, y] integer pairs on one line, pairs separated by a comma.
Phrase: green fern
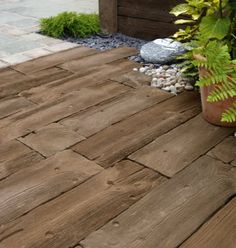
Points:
[[221, 72], [230, 114]]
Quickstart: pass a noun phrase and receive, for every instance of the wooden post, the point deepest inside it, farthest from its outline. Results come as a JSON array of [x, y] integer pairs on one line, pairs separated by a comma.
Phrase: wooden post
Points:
[[108, 16]]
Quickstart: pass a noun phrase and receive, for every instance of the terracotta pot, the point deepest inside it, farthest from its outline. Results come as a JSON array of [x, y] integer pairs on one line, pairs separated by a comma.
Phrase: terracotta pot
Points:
[[212, 112]]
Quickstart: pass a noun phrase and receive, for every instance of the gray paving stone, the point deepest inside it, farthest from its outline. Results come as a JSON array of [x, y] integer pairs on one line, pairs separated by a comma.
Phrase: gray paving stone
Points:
[[15, 59], [25, 23], [3, 64], [37, 52], [20, 46], [61, 46], [19, 20]]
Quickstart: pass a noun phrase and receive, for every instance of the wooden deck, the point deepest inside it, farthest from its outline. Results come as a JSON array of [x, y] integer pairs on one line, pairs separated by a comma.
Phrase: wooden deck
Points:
[[92, 157]]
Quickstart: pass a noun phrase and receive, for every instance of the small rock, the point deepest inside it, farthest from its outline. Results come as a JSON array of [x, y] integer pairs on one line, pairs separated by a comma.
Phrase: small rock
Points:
[[167, 88], [161, 51], [188, 87], [143, 69], [178, 86], [165, 67], [167, 83], [173, 90], [135, 69], [171, 72], [154, 81]]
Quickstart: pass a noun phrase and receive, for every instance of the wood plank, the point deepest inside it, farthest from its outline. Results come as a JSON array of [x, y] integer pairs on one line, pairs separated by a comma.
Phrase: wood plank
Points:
[[169, 214], [53, 60], [147, 12], [96, 119], [219, 232], [177, 149], [225, 151], [64, 221], [133, 79], [55, 90], [12, 166], [98, 59], [42, 77], [151, 4], [29, 121], [108, 15], [145, 29], [51, 139], [14, 156], [120, 140], [13, 105], [46, 180], [12, 150], [8, 75]]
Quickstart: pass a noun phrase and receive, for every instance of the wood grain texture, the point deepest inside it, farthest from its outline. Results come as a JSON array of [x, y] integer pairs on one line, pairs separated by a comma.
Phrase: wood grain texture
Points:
[[66, 220], [60, 138], [145, 29], [45, 114], [120, 140], [8, 75], [16, 164], [145, 19], [108, 15], [56, 89], [35, 185], [96, 59], [225, 151], [177, 149], [11, 150], [219, 232], [42, 77], [49, 61], [13, 105], [97, 118], [169, 214], [133, 79]]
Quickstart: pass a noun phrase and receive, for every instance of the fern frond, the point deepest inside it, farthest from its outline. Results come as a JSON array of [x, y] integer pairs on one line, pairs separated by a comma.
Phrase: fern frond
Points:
[[230, 114]]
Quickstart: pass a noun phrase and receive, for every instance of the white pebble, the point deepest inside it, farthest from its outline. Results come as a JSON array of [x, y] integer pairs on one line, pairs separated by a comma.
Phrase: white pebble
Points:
[[165, 67], [178, 86], [135, 69], [167, 83], [189, 87], [154, 81], [143, 69], [166, 88], [173, 90]]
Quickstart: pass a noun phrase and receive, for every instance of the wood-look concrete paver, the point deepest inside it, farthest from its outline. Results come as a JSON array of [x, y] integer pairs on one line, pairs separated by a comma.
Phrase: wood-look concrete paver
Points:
[[91, 156]]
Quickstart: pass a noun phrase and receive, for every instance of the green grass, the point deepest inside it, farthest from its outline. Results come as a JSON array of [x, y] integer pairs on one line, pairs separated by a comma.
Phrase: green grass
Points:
[[70, 24]]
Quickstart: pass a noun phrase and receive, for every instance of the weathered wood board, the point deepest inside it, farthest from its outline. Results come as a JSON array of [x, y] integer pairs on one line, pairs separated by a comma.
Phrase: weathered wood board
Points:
[[169, 214]]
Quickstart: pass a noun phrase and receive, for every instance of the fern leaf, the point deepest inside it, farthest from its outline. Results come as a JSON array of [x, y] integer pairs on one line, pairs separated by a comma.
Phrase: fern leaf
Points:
[[230, 114]]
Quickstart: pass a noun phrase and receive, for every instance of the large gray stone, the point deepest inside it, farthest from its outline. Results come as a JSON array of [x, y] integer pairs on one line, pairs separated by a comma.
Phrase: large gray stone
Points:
[[161, 51]]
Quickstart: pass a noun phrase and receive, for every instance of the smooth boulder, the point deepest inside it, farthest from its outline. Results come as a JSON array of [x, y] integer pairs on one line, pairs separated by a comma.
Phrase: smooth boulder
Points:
[[161, 51]]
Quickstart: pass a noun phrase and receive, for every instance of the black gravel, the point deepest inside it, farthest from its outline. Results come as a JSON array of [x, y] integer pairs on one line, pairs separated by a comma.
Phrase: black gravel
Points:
[[106, 42]]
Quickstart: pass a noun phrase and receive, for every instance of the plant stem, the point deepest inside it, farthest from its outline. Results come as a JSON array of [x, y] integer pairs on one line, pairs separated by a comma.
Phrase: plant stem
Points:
[[220, 9]]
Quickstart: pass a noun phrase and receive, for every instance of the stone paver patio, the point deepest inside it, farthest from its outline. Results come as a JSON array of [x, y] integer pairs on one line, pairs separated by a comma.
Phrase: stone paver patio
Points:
[[19, 41]]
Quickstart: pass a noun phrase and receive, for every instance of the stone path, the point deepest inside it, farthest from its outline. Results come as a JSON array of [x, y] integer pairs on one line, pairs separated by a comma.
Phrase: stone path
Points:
[[19, 22], [93, 157]]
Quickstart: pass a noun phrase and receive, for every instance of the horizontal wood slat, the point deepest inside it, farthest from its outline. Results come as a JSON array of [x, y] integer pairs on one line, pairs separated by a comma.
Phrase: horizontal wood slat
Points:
[[143, 19]]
